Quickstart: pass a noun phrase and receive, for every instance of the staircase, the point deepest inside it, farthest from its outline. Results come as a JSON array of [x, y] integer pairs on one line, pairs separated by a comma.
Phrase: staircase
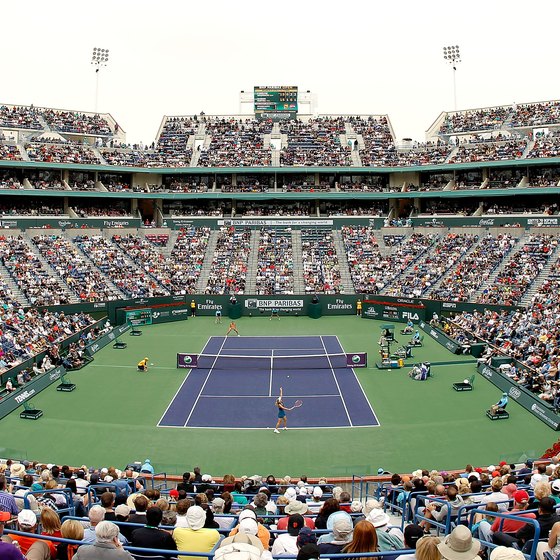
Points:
[[72, 298], [299, 286], [98, 154], [539, 280], [530, 146], [23, 153], [345, 276], [253, 263], [173, 234], [500, 268], [43, 122], [202, 281], [6, 277], [452, 154]]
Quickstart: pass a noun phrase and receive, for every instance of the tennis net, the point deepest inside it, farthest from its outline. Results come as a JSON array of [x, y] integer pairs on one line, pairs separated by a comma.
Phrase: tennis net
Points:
[[225, 361]]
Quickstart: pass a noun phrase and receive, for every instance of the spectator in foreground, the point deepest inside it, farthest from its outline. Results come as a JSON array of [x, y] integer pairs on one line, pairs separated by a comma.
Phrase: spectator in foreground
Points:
[[195, 538], [71, 529], [364, 539], [459, 545], [426, 549], [106, 546], [150, 536]]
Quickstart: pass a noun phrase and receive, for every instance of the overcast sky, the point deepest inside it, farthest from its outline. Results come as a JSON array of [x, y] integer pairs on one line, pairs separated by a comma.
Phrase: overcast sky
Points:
[[176, 58]]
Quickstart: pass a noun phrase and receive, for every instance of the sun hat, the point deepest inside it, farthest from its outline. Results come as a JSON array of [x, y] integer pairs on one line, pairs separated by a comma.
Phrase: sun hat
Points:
[[459, 545], [356, 506], [238, 551], [17, 470], [243, 538], [506, 553], [123, 510], [247, 513], [295, 506], [290, 492], [342, 530], [378, 518], [196, 517], [556, 485]]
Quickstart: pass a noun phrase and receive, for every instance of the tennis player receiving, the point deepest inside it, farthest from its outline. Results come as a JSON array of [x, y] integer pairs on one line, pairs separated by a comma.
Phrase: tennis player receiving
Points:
[[282, 418]]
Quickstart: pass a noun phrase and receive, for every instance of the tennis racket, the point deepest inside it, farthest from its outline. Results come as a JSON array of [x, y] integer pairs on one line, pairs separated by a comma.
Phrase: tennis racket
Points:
[[298, 403]]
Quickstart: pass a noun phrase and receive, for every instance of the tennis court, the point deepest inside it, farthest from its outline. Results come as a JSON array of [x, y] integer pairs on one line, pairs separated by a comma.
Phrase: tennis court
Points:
[[238, 380]]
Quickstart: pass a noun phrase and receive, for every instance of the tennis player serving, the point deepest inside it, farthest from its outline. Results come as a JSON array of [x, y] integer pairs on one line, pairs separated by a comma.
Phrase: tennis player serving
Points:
[[282, 418]]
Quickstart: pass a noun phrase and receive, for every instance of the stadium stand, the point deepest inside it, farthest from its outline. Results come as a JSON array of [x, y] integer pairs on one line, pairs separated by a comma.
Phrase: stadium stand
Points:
[[321, 270], [275, 272]]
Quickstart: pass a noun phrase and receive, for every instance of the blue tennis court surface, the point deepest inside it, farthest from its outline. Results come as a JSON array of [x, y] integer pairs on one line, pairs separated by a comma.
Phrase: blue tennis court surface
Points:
[[239, 379]]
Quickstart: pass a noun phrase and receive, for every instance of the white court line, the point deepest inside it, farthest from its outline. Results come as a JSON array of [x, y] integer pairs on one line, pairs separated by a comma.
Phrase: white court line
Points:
[[337, 385], [264, 396], [204, 384], [268, 429], [271, 367], [362, 389]]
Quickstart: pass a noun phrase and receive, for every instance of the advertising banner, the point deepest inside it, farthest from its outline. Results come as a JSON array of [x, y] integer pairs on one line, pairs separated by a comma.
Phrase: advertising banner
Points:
[[525, 398]]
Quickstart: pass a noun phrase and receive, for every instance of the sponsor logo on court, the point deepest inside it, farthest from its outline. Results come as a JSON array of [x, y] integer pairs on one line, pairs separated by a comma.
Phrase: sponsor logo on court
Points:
[[94, 348], [54, 376], [24, 396], [449, 305], [487, 372], [514, 393], [486, 222], [542, 222], [249, 222], [541, 413]]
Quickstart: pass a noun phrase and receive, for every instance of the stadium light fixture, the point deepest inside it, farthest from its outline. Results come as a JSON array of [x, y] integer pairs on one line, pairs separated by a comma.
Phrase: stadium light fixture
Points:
[[99, 59], [452, 55]]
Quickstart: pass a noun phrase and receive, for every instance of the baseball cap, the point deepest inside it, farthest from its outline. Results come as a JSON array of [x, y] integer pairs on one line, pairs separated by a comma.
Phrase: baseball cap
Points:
[[27, 518], [521, 496], [4, 516], [123, 510]]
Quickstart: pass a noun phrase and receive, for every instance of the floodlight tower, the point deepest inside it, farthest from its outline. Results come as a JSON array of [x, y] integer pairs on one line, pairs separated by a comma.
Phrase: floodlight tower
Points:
[[453, 56], [99, 58]]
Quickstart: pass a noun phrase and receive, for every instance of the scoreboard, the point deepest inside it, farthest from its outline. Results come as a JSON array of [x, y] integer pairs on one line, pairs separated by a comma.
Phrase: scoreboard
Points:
[[136, 317], [276, 101]]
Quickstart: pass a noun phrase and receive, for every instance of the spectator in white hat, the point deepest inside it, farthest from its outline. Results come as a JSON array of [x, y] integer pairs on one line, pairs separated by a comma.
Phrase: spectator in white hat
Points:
[[195, 537], [316, 502]]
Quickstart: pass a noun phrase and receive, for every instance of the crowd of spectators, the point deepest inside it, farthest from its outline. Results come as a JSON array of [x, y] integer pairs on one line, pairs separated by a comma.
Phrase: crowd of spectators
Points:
[[371, 268], [321, 268], [132, 280], [10, 152], [519, 272], [93, 211], [31, 208], [7, 181], [474, 121], [315, 143], [474, 270], [37, 285], [236, 143], [19, 117], [77, 123], [78, 272], [535, 114], [176, 273], [489, 151], [353, 208], [26, 333], [228, 271], [173, 140], [545, 147], [365, 185], [247, 208], [61, 153], [429, 268], [275, 263]]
